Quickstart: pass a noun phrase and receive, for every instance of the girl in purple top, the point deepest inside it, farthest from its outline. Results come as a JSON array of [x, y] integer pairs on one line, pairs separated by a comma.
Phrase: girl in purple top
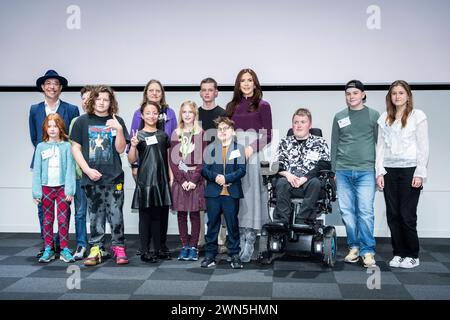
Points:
[[253, 122], [167, 121], [186, 162]]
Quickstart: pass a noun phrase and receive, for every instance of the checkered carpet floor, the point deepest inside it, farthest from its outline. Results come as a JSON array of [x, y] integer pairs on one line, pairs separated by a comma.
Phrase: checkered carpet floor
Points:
[[22, 277]]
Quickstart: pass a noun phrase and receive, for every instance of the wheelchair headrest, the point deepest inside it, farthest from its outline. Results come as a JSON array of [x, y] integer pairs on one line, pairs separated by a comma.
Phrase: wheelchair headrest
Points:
[[313, 131]]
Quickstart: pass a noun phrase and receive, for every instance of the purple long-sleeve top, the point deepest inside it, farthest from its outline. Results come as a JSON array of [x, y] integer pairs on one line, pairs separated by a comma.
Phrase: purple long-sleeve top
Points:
[[260, 120], [171, 123]]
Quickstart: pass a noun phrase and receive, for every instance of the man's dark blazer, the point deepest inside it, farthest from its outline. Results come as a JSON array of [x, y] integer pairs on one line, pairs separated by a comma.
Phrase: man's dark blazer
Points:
[[37, 116]]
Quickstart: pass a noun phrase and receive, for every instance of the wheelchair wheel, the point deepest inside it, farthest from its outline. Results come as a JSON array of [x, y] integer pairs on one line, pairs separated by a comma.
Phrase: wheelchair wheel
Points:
[[264, 256], [329, 246]]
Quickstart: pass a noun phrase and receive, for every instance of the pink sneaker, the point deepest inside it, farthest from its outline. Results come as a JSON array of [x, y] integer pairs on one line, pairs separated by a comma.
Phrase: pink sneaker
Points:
[[119, 253]]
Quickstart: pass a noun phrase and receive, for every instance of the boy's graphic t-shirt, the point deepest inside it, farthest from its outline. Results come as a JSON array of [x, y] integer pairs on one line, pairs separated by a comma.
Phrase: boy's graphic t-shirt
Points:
[[98, 148]]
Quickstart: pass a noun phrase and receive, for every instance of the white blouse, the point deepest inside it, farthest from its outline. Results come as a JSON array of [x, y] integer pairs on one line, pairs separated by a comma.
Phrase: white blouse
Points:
[[53, 169], [399, 147]]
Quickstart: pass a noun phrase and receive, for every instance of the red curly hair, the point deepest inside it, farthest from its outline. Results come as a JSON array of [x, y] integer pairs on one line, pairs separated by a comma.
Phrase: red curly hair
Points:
[[59, 123]]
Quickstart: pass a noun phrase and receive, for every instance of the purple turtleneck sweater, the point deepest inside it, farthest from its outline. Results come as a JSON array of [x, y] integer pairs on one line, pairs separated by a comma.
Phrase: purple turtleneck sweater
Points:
[[258, 120]]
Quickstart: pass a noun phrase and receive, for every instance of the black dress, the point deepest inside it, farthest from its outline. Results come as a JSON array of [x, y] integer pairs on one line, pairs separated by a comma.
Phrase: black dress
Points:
[[152, 186]]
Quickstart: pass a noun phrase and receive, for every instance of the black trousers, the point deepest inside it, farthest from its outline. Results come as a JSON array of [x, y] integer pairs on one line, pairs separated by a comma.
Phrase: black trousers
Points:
[[401, 211], [149, 228], [164, 224], [310, 192]]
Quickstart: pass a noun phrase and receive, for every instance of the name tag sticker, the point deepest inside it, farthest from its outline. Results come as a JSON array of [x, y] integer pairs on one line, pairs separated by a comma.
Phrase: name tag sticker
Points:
[[46, 154], [151, 140], [313, 156], [234, 154], [182, 166], [344, 122]]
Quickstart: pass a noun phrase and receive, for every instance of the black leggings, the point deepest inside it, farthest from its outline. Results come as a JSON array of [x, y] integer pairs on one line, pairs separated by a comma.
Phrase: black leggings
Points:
[[150, 228]]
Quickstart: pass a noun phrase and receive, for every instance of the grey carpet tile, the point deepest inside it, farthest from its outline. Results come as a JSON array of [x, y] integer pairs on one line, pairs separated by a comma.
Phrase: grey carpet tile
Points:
[[239, 288], [225, 298], [421, 278], [303, 276], [125, 273], [38, 285], [21, 260], [175, 264], [33, 236], [386, 291], [429, 292], [22, 277], [11, 251], [302, 264], [156, 297], [306, 290], [91, 296], [349, 277], [115, 286], [244, 275], [7, 281], [61, 271], [431, 267], [172, 288], [29, 252], [19, 242], [194, 274], [441, 256], [17, 270], [28, 296]]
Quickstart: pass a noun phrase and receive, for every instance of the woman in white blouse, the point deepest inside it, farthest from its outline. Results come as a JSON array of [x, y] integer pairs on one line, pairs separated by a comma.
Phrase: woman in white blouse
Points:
[[401, 167]]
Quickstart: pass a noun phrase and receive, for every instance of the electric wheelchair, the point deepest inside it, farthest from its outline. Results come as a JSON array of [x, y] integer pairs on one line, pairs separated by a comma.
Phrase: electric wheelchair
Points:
[[302, 238]]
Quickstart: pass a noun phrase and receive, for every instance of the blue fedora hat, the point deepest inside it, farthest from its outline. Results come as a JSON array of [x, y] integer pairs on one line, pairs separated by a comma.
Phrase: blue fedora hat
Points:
[[50, 74]]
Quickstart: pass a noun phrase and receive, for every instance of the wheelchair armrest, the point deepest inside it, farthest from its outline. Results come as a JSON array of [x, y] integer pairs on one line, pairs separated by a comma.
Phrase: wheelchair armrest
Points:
[[326, 174], [267, 173]]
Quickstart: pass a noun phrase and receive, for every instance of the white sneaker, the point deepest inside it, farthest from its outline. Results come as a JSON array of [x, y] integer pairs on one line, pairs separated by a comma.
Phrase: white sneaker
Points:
[[80, 253], [396, 261], [409, 263], [352, 256]]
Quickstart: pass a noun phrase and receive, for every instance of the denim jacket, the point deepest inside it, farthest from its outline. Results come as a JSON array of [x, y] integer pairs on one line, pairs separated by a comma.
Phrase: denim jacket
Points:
[[66, 166]]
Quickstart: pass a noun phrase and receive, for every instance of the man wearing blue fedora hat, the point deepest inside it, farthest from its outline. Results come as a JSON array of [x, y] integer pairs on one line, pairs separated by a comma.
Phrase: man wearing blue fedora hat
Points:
[[51, 84]]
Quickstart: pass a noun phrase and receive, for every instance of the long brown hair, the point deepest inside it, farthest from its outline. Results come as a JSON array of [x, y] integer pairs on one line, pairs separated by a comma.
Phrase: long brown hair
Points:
[[145, 99], [237, 94], [391, 108], [113, 106], [59, 123]]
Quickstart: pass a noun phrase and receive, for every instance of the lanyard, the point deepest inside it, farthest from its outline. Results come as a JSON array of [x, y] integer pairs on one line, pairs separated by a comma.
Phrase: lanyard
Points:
[[185, 143]]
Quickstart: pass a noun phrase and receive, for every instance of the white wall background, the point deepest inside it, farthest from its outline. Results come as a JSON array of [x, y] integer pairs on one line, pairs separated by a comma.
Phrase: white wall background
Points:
[[19, 214], [181, 41]]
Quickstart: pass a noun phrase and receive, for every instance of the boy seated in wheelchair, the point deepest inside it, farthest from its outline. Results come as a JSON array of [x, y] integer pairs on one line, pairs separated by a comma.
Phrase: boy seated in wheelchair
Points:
[[301, 157]]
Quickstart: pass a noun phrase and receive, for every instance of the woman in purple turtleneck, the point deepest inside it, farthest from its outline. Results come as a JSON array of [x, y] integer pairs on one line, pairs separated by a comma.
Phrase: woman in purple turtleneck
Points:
[[253, 121]]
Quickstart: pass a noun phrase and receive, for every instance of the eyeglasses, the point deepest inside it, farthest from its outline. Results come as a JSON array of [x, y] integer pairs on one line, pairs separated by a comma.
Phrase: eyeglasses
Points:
[[223, 129], [52, 83]]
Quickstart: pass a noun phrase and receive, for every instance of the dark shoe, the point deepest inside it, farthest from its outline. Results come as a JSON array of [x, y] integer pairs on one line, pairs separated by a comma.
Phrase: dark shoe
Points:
[[164, 255], [40, 253], [208, 262], [57, 250], [236, 262], [138, 252], [148, 257]]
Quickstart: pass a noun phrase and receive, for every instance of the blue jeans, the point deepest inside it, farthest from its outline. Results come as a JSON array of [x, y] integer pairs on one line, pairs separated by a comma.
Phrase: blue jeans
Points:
[[80, 215], [356, 194]]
